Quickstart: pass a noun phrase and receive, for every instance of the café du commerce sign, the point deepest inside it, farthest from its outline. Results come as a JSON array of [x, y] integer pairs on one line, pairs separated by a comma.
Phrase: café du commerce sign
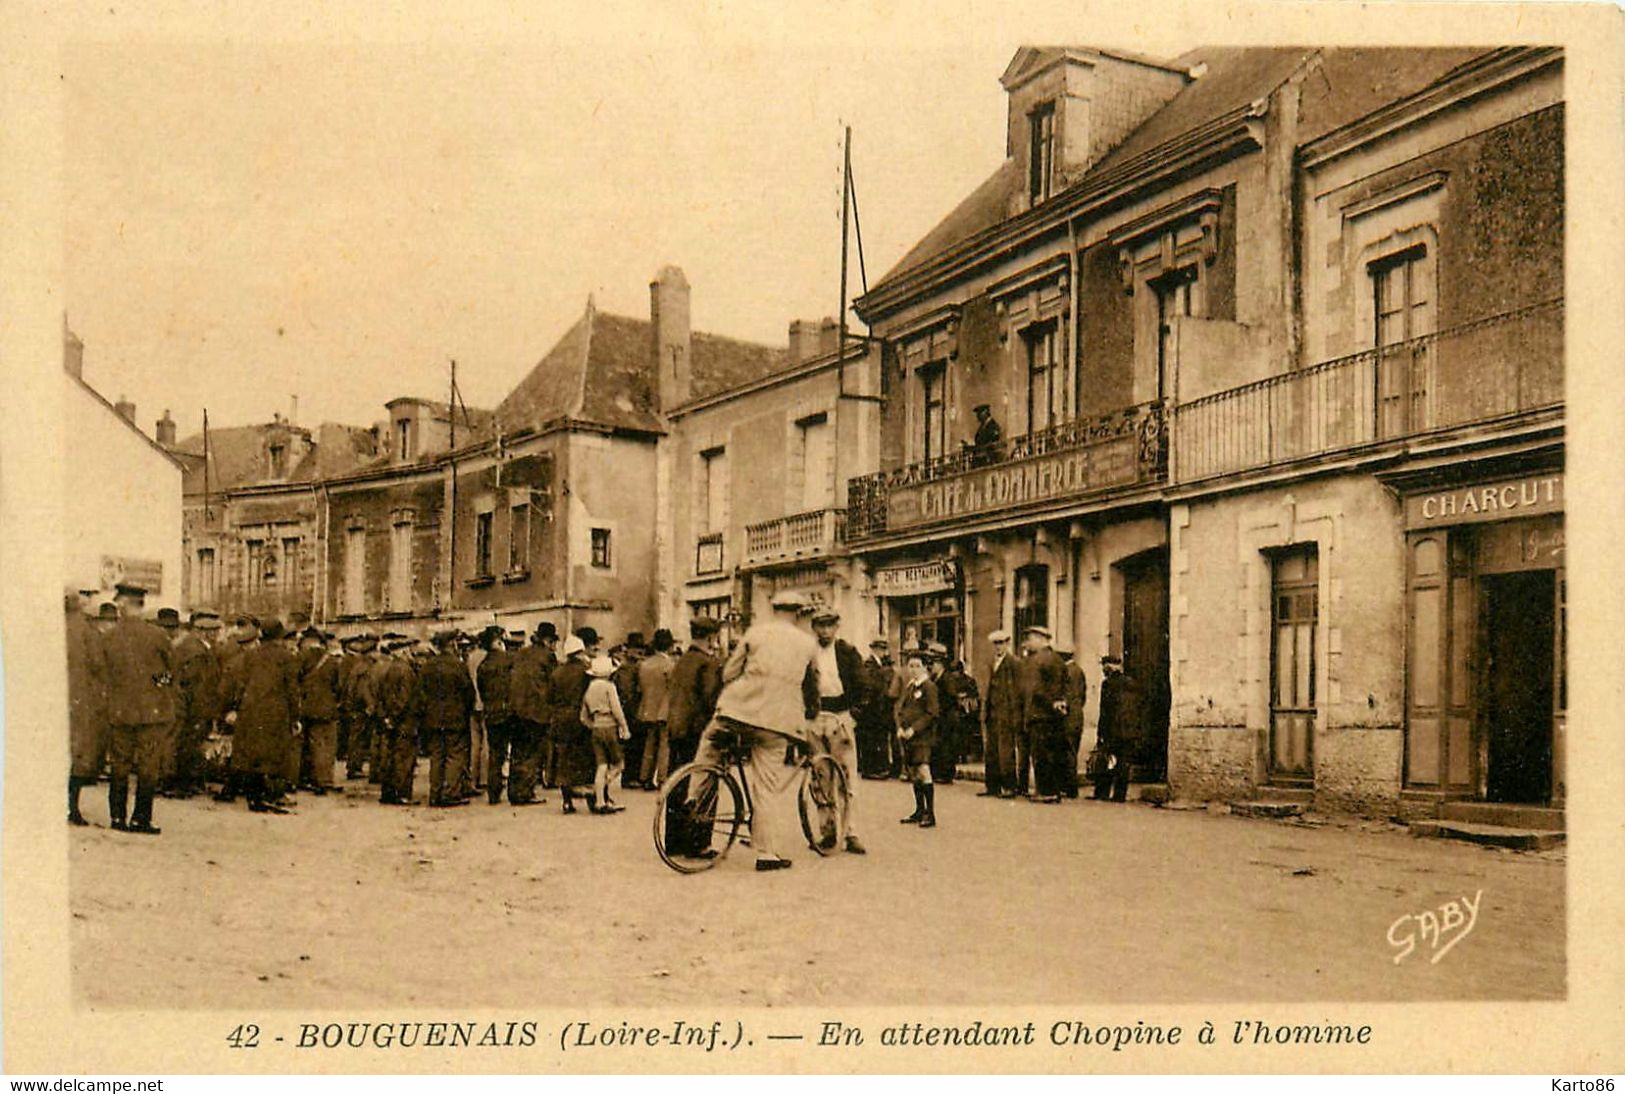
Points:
[[1049, 477]]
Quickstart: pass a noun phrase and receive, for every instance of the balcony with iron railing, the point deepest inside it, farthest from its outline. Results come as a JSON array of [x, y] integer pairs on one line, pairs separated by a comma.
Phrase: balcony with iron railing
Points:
[[1083, 458], [1499, 367], [817, 533]]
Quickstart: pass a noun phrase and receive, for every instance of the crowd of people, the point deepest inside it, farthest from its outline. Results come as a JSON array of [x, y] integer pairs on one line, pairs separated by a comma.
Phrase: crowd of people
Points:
[[262, 709]]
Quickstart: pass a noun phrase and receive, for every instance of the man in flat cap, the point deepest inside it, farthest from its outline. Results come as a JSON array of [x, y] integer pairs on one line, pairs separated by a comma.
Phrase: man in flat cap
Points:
[[140, 710], [877, 689], [1118, 730], [629, 689], [692, 690], [394, 690], [654, 677], [839, 668], [493, 675], [769, 694], [357, 663], [197, 700], [1044, 711], [87, 703], [445, 703], [1002, 719], [985, 446]]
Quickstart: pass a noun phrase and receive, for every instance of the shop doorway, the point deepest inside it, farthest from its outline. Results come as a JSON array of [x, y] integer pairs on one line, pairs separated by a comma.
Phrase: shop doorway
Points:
[[1517, 613], [1145, 654]]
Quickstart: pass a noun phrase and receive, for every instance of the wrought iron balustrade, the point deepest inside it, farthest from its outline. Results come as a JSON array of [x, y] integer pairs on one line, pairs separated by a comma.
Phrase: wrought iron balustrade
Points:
[[1496, 367]]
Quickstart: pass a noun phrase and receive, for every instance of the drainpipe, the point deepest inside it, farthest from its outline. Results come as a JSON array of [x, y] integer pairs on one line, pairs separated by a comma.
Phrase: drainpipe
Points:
[[1073, 318]]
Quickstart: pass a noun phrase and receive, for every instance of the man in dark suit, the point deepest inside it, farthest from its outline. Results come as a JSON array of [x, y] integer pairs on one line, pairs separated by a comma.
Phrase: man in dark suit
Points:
[[353, 670], [493, 675], [1044, 711], [839, 667], [530, 716], [874, 725], [445, 703], [1118, 730], [1002, 714], [197, 700], [394, 692], [140, 710], [1077, 693], [262, 705], [692, 690]]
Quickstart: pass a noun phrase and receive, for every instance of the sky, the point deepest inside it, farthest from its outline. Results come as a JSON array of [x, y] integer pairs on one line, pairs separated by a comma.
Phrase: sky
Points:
[[333, 215]]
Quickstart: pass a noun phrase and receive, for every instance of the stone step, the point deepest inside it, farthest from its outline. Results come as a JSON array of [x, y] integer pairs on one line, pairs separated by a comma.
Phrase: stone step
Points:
[[1266, 808], [1503, 814], [1302, 795], [1491, 835]]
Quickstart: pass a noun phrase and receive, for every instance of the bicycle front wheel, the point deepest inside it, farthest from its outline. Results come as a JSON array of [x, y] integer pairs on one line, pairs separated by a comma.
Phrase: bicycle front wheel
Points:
[[824, 805], [698, 817]]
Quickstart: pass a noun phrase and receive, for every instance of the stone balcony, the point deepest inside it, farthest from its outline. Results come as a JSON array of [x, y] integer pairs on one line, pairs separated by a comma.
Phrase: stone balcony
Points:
[[817, 533]]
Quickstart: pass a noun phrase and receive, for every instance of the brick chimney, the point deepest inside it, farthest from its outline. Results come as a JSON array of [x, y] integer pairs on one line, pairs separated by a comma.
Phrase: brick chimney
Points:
[[812, 338], [668, 320], [126, 409], [164, 429]]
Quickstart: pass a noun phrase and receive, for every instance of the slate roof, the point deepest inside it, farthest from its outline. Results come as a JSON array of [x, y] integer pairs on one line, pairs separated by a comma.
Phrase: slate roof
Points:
[[601, 371], [1345, 85], [237, 455]]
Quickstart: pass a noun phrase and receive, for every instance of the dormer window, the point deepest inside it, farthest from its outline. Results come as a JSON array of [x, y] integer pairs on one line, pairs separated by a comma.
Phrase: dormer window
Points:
[[277, 458], [403, 439], [1041, 151]]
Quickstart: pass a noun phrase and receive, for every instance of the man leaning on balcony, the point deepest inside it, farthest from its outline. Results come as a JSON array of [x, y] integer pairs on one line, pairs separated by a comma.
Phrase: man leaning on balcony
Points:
[[984, 449]]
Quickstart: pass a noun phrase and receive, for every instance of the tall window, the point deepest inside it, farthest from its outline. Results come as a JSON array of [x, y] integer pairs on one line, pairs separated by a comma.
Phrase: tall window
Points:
[[482, 544], [518, 537], [1041, 163], [400, 566], [355, 571], [1032, 598], [1295, 614], [713, 514], [278, 459], [1403, 311], [290, 562], [1176, 296], [254, 564], [403, 439], [601, 558], [206, 578], [1046, 393], [934, 382], [817, 466]]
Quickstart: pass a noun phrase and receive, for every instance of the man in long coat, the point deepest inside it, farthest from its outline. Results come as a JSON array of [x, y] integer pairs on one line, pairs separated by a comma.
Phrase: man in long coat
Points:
[[1002, 716], [574, 764], [445, 704], [873, 716], [139, 712], [1077, 694], [87, 702], [262, 704], [353, 670], [530, 716], [319, 703]]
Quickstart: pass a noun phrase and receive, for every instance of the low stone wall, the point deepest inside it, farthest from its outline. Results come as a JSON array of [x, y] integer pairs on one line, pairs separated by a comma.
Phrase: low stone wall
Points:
[[1211, 762]]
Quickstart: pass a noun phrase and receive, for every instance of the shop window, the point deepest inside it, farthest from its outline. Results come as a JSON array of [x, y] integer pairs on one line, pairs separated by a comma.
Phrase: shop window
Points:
[[1032, 598], [934, 386], [927, 619], [1041, 151], [518, 537], [482, 544], [355, 571], [601, 558]]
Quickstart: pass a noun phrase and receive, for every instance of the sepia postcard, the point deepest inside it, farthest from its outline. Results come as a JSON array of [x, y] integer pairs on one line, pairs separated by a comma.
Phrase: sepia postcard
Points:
[[811, 538]]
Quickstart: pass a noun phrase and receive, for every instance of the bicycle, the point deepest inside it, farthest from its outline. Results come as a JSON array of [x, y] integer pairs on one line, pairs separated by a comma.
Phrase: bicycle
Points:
[[712, 806]]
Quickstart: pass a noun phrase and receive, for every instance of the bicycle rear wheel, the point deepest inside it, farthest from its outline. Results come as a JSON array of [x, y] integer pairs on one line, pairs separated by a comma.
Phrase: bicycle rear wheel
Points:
[[824, 805], [698, 817]]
